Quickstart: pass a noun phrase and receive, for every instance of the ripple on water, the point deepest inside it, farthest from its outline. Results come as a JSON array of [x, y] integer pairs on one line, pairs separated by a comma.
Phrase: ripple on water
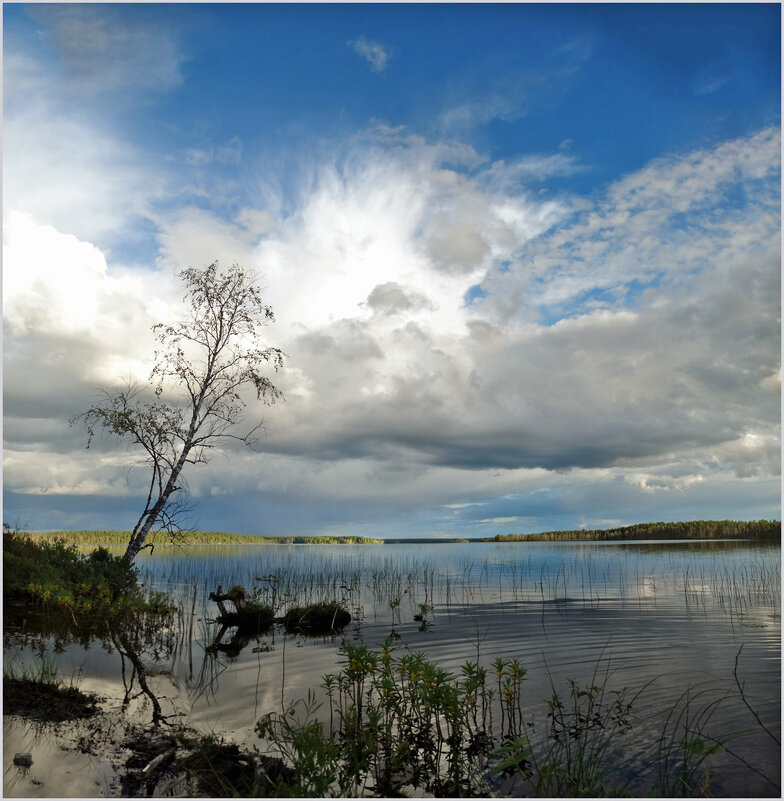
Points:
[[629, 616]]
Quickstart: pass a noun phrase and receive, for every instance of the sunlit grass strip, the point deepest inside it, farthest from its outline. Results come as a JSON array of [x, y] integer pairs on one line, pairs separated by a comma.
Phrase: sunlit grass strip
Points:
[[164, 538]]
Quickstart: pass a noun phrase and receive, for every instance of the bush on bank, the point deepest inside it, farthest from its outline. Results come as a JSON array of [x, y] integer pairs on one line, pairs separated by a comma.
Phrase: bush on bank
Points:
[[53, 577]]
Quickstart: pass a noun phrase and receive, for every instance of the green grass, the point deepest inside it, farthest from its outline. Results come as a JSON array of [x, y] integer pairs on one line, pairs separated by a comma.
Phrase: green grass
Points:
[[38, 692], [397, 723]]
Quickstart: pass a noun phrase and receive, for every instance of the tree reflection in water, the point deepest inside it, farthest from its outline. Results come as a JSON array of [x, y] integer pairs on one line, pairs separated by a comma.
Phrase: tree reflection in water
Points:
[[139, 638]]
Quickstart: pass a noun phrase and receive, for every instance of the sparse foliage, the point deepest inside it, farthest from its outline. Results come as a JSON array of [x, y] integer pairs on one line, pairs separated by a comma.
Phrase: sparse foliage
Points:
[[209, 357]]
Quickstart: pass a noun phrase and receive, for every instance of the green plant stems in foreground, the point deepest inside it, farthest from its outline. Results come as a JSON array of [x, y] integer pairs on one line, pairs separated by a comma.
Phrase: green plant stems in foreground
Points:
[[397, 721]]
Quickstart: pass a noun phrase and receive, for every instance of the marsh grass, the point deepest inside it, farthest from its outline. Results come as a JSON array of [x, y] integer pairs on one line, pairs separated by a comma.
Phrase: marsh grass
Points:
[[582, 748], [390, 588], [448, 730], [689, 739], [37, 691]]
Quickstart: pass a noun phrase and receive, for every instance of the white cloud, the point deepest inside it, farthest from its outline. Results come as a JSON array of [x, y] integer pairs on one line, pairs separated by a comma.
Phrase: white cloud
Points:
[[674, 219], [620, 349], [481, 111], [393, 214], [69, 175], [194, 237], [103, 52], [229, 153], [648, 482], [375, 53], [70, 326], [86, 474], [55, 284], [400, 395], [674, 377]]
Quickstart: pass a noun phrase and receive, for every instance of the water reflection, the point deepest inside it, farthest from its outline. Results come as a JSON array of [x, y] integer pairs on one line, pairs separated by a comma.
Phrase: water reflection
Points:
[[675, 613], [33, 639]]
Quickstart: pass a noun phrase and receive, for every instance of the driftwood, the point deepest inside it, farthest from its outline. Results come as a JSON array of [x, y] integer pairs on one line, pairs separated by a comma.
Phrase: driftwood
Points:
[[247, 616], [236, 595]]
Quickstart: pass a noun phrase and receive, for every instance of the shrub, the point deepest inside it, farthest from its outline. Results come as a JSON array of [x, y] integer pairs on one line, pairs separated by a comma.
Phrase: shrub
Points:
[[69, 591]]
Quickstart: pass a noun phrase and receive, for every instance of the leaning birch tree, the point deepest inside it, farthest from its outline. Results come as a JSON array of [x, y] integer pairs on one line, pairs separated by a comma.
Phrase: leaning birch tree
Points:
[[194, 401]]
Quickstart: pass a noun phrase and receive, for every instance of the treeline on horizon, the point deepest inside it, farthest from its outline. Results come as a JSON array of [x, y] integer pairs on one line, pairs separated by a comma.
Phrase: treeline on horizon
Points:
[[689, 530], [767, 530], [164, 538]]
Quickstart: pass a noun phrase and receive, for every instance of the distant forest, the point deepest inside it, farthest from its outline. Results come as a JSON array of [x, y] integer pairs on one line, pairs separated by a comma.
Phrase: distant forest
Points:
[[768, 530], [194, 538]]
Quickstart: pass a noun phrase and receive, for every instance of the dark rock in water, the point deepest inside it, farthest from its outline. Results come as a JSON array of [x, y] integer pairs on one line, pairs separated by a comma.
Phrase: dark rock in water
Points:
[[23, 760], [316, 619]]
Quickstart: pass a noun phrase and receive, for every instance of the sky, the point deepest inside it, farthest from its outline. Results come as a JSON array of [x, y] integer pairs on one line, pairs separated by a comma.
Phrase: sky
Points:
[[524, 259]]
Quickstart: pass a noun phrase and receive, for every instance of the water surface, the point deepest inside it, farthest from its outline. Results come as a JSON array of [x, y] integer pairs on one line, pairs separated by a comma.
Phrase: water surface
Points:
[[670, 615]]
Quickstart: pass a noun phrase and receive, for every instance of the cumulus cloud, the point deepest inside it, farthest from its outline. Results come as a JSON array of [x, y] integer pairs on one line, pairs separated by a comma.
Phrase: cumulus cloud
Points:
[[673, 372], [376, 54], [56, 285], [617, 353], [393, 212], [391, 298], [70, 327], [192, 236], [66, 173]]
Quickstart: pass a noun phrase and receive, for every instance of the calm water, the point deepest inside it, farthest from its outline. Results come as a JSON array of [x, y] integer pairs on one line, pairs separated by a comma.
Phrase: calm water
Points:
[[674, 616]]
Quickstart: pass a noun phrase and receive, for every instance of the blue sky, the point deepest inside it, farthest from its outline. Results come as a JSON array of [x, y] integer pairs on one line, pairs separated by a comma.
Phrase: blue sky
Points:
[[524, 259]]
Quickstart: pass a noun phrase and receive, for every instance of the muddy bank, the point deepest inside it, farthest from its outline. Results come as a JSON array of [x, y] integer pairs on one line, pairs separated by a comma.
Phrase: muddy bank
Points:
[[47, 702], [80, 750]]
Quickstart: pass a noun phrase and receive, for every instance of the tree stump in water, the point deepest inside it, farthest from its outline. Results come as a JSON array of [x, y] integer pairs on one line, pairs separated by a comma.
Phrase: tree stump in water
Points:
[[248, 615]]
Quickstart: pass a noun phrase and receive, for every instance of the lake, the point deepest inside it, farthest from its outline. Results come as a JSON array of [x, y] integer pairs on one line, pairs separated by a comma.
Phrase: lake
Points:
[[689, 621]]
